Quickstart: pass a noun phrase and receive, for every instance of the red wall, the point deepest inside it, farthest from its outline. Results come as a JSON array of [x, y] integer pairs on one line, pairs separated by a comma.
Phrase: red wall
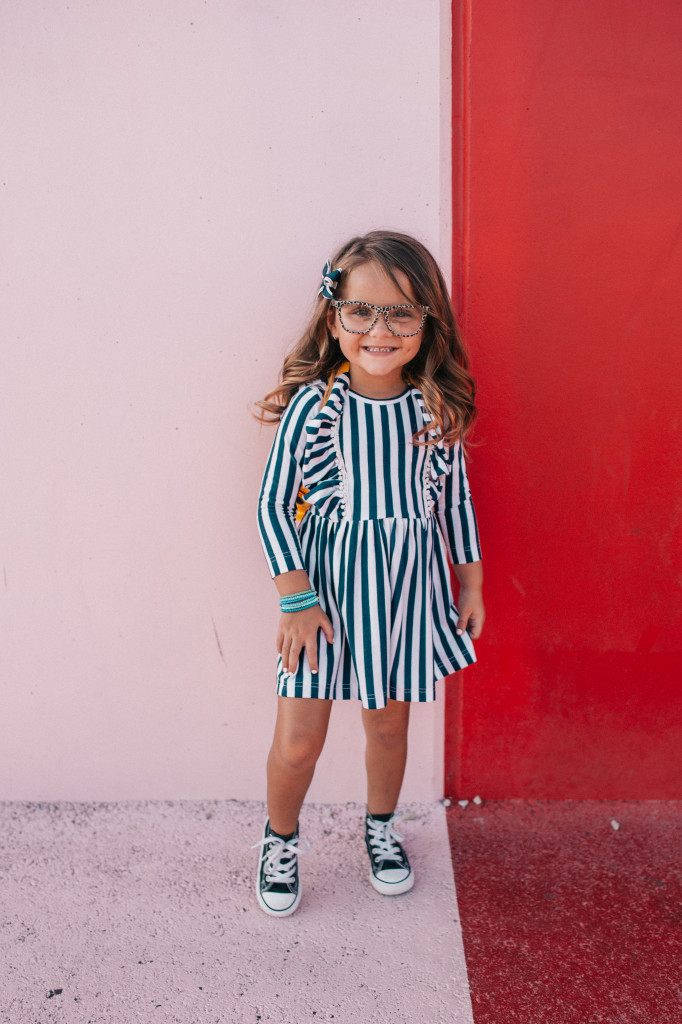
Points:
[[568, 273]]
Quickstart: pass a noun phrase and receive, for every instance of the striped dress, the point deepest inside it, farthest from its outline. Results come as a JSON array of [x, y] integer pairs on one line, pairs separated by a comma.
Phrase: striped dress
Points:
[[383, 516]]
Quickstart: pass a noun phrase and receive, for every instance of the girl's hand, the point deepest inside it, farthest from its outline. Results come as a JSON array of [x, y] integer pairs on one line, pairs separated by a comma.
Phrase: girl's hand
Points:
[[471, 612], [297, 632]]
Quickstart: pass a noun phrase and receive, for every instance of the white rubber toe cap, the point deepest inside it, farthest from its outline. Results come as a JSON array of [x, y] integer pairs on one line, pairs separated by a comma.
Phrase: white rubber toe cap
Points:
[[392, 881], [278, 904]]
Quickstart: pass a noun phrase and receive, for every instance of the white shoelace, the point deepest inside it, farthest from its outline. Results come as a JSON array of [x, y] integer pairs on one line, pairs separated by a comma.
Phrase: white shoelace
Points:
[[383, 839], [280, 859]]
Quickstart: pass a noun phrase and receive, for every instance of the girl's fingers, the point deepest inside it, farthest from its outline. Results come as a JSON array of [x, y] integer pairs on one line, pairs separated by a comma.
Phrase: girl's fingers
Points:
[[311, 642], [472, 623], [290, 655], [311, 651], [293, 657], [462, 623]]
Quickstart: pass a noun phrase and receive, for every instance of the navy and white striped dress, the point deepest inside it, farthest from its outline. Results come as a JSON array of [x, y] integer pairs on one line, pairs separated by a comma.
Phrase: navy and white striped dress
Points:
[[384, 515]]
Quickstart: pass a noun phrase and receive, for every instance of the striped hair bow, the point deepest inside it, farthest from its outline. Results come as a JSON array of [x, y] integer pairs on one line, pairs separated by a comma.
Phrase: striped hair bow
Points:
[[330, 279]]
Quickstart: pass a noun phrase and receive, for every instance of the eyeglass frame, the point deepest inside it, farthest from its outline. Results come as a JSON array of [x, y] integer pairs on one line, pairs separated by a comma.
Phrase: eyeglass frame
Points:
[[378, 310]]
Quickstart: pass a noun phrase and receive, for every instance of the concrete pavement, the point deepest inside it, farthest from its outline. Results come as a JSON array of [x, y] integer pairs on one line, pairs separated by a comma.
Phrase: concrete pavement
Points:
[[571, 913], [119, 913]]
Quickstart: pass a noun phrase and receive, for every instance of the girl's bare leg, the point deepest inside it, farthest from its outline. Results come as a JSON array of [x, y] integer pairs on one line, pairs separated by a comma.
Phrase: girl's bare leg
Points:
[[385, 754], [300, 732]]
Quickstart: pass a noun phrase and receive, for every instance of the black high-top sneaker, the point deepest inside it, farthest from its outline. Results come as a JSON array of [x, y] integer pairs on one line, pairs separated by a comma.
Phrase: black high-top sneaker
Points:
[[390, 872], [277, 885]]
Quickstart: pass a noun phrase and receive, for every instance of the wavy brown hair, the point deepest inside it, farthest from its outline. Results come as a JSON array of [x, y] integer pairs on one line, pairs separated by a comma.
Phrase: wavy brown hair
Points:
[[440, 370]]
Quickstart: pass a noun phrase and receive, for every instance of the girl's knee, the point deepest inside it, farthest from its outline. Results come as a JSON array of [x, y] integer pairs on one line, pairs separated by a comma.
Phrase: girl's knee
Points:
[[386, 729], [297, 753], [300, 732]]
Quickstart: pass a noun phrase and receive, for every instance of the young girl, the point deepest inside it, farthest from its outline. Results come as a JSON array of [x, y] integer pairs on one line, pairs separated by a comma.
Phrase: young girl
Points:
[[364, 498]]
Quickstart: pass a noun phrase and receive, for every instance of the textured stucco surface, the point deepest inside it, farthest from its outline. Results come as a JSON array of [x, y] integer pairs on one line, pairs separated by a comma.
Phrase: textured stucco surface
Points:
[[174, 175], [144, 911]]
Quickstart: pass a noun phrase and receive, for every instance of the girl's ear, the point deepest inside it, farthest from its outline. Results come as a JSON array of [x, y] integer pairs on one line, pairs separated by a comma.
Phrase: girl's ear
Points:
[[331, 320]]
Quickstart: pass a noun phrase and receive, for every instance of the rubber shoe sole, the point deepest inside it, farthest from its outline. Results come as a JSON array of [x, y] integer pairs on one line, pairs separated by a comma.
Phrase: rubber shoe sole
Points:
[[392, 888], [286, 911]]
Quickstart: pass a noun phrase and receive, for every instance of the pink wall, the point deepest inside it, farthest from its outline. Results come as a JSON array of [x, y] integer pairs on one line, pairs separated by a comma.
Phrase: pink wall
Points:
[[569, 263], [174, 175]]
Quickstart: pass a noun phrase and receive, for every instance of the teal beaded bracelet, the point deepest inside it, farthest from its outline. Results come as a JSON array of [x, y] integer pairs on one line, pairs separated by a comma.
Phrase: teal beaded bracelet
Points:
[[300, 606], [298, 602], [294, 598]]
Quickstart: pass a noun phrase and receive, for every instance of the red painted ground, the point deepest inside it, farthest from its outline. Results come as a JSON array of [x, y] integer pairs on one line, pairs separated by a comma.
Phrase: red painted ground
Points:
[[566, 920]]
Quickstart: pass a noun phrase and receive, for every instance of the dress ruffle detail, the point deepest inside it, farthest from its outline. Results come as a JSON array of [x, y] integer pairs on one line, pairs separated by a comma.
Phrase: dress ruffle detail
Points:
[[437, 464], [323, 470], [324, 473]]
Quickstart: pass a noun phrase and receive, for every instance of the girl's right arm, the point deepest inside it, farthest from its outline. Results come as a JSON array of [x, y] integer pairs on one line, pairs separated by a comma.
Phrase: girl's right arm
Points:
[[281, 484], [279, 536]]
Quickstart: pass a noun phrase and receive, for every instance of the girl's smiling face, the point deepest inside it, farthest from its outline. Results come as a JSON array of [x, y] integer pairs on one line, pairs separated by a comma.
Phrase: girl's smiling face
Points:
[[378, 373]]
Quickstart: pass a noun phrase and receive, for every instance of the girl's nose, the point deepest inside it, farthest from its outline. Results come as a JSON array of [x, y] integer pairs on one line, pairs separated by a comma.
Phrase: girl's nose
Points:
[[380, 328]]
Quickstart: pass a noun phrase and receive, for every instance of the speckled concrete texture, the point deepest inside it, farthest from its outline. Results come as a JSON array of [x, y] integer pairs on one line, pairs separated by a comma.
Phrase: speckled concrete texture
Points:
[[571, 911], [115, 913]]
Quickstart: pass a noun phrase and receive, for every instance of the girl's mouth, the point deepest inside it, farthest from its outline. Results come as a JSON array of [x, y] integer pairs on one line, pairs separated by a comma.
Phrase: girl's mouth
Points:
[[377, 350]]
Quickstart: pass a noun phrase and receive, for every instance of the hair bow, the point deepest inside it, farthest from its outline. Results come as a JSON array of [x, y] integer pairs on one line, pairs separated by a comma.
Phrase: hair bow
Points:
[[330, 279]]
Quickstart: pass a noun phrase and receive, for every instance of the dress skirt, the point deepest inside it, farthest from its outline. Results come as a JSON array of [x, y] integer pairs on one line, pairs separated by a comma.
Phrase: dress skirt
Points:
[[385, 586]]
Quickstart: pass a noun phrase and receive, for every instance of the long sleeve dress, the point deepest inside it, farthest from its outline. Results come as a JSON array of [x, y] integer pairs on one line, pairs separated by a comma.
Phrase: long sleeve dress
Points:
[[382, 518]]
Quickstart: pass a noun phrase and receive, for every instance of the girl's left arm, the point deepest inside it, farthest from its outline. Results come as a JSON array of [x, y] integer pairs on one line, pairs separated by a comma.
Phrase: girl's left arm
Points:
[[457, 518], [470, 604]]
